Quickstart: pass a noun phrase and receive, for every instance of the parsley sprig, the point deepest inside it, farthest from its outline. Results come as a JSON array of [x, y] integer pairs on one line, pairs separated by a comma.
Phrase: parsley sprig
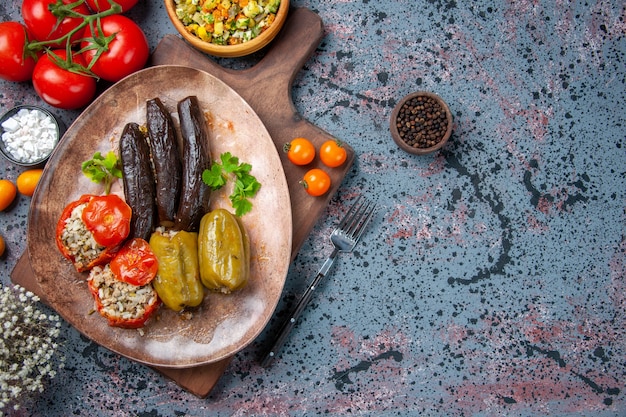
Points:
[[103, 169], [245, 184]]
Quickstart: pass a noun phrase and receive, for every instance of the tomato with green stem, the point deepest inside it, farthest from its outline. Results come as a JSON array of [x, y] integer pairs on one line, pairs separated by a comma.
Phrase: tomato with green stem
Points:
[[316, 182], [114, 47], [135, 263], [16, 62], [300, 151], [50, 20], [61, 82], [333, 154]]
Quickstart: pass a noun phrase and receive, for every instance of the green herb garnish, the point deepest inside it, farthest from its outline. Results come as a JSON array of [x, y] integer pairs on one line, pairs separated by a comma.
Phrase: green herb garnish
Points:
[[245, 185], [103, 169]]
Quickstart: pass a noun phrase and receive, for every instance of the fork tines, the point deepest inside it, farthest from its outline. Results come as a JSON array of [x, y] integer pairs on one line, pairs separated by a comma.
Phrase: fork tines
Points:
[[358, 216]]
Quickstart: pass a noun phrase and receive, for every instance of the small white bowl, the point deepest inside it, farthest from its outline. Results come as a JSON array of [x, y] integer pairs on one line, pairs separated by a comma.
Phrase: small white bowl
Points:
[[32, 145]]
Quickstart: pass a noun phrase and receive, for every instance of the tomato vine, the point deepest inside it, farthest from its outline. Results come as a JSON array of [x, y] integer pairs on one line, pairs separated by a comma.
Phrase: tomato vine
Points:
[[61, 42], [98, 41]]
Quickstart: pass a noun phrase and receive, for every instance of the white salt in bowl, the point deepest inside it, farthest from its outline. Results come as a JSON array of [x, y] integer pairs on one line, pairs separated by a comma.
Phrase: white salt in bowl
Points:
[[28, 135]]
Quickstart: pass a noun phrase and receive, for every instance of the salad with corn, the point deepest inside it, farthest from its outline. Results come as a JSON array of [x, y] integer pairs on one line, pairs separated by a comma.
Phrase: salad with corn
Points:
[[227, 22]]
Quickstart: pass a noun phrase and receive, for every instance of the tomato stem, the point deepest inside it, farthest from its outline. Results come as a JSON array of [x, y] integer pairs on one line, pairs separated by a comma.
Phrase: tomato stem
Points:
[[62, 11], [99, 42]]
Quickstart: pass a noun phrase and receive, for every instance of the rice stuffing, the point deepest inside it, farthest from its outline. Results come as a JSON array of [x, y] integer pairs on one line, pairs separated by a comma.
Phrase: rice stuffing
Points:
[[78, 240], [120, 300]]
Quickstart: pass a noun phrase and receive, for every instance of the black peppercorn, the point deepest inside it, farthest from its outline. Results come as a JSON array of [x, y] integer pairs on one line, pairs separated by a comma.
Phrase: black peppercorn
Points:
[[421, 122]]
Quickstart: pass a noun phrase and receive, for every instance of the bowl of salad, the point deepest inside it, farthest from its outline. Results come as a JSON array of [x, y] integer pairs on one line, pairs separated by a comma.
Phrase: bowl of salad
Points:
[[228, 28]]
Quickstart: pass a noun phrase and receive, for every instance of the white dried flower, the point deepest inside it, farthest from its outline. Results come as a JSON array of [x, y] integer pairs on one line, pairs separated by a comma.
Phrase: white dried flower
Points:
[[28, 346]]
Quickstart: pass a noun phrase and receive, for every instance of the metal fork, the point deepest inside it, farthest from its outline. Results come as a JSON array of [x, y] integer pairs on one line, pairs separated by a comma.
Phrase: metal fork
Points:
[[344, 239]]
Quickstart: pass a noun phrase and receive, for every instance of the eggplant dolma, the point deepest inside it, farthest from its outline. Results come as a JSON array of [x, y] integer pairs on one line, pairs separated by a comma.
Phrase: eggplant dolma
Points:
[[195, 194], [139, 186], [165, 159]]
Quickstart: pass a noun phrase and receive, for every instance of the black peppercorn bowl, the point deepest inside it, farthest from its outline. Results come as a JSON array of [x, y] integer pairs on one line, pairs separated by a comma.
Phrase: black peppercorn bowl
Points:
[[421, 123]]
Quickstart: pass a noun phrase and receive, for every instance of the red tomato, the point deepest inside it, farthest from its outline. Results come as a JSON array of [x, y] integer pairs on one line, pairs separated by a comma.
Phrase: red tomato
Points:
[[300, 151], [126, 53], [332, 153], [316, 182], [105, 256], [102, 5], [107, 217], [40, 17], [58, 86], [135, 263], [16, 64]]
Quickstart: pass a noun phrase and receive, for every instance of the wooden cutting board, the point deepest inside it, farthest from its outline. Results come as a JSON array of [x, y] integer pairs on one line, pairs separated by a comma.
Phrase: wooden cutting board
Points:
[[267, 88]]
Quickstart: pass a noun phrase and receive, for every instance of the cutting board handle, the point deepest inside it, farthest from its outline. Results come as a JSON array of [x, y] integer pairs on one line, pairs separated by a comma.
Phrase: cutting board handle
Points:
[[297, 40], [273, 75], [269, 81]]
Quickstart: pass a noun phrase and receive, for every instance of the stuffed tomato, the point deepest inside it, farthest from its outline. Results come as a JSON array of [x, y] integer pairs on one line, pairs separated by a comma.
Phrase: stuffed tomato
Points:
[[122, 304], [91, 230]]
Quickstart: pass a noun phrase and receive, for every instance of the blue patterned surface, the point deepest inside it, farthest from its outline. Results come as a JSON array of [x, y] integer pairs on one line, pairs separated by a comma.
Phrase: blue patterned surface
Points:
[[493, 280]]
